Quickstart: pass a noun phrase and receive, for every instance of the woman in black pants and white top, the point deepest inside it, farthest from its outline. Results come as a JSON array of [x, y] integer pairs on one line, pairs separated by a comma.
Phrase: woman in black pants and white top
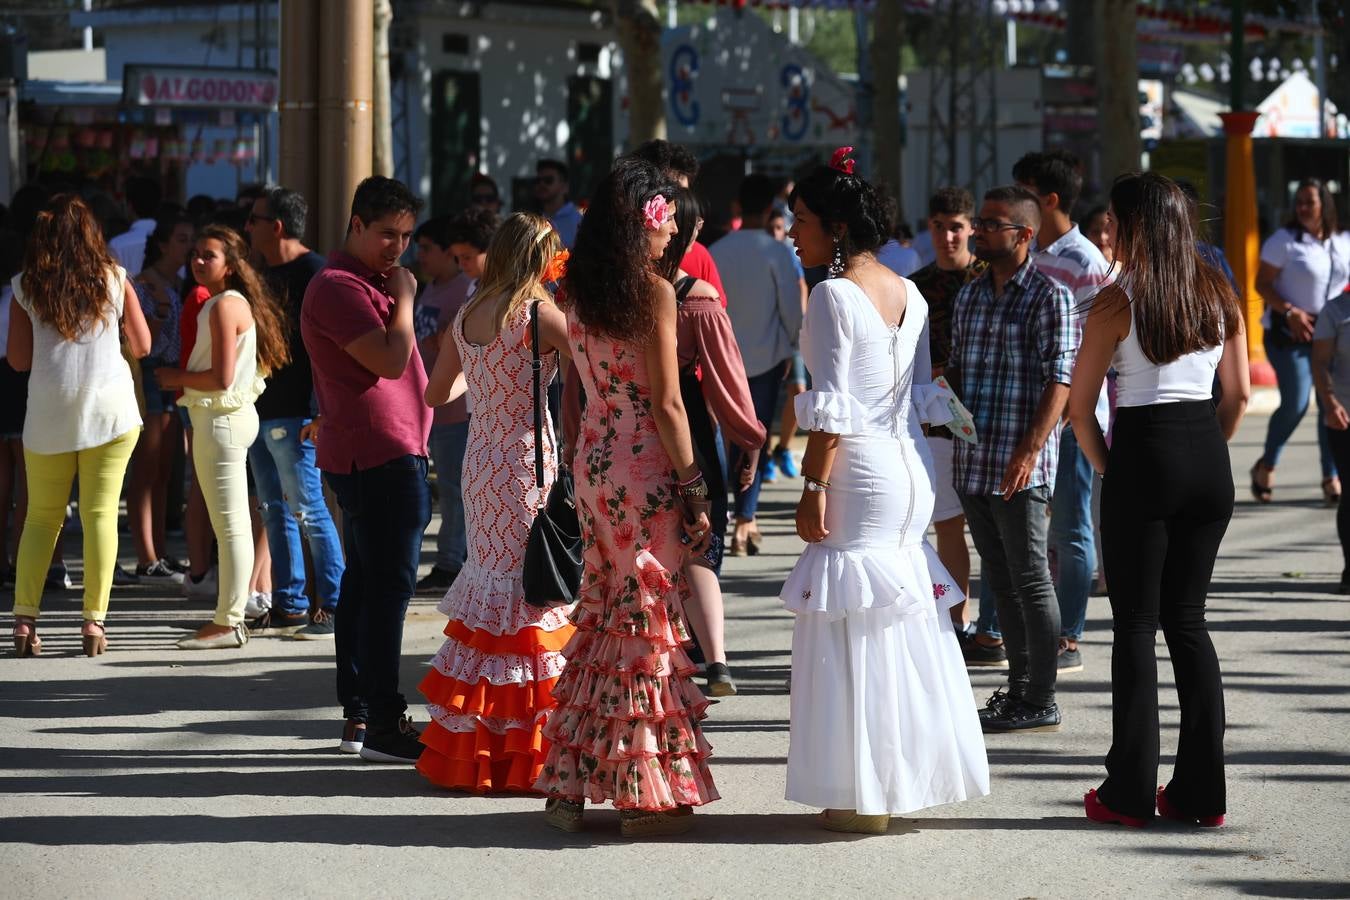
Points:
[[1165, 326]]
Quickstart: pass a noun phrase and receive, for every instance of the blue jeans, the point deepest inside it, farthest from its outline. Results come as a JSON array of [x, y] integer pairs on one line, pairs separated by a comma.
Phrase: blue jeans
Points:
[[1293, 374], [986, 622], [384, 512], [1071, 535], [290, 499], [448, 443], [765, 390]]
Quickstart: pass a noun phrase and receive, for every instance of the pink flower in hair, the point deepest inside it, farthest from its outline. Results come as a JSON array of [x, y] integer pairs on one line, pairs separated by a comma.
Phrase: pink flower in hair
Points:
[[840, 161], [656, 212]]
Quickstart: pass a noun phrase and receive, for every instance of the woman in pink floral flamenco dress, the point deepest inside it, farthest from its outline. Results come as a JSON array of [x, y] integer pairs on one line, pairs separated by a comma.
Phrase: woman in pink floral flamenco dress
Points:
[[627, 728], [489, 690]]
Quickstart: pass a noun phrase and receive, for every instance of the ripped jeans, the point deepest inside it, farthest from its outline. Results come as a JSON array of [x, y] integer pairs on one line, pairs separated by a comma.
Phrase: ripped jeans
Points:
[[290, 498]]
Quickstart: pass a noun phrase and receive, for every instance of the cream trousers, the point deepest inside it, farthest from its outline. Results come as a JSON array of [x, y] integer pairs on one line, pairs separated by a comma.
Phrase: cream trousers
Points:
[[220, 442]]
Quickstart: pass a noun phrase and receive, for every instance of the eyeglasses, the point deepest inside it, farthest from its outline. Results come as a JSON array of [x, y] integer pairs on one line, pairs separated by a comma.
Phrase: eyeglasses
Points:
[[545, 179], [978, 224], [254, 218], [484, 198]]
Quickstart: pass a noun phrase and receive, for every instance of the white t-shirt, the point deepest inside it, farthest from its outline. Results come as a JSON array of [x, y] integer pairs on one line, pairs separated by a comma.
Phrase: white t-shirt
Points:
[[763, 294], [1311, 271], [128, 248], [81, 394], [903, 261]]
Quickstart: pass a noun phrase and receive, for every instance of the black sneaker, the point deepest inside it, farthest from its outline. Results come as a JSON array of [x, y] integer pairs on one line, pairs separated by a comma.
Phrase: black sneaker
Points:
[[123, 578], [719, 681], [174, 565], [1022, 716], [275, 623], [983, 656], [353, 737], [321, 628], [436, 580], [1069, 660], [58, 579], [158, 572], [398, 743], [997, 704]]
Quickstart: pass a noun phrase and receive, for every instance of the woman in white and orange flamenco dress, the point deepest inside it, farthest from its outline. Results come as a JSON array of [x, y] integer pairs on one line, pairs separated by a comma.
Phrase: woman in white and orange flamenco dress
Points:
[[489, 690]]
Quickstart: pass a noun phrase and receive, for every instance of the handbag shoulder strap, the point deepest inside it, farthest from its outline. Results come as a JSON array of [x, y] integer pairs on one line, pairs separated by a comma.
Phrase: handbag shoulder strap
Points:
[[683, 287], [536, 367]]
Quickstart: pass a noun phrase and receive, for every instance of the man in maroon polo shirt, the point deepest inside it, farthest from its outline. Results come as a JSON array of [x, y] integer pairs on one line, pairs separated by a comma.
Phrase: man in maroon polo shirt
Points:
[[357, 324]]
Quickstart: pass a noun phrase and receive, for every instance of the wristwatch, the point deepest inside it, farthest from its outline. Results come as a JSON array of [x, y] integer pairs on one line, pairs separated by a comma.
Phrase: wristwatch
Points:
[[814, 487]]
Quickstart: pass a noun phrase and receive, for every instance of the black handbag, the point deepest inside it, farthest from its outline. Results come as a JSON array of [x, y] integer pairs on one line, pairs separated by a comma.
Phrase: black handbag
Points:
[[553, 550]]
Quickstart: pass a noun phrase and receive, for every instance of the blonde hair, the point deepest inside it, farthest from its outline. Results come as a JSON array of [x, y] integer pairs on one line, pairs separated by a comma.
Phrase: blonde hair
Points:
[[517, 258]]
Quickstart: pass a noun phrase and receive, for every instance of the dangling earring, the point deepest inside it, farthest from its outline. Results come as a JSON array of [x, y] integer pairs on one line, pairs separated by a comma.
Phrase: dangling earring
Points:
[[837, 264]]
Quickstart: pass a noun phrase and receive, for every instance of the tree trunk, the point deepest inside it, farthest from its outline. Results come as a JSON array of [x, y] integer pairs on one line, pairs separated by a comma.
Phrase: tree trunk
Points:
[[1084, 34], [887, 38], [638, 23], [1118, 91], [382, 99]]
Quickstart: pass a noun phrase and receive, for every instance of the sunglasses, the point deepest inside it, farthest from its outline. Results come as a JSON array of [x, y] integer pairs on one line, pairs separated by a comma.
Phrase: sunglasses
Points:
[[545, 179], [254, 218], [978, 224], [484, 198]]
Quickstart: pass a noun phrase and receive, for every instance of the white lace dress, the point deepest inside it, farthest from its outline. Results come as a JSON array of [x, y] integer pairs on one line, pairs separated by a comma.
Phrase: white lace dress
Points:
[[883, 718]]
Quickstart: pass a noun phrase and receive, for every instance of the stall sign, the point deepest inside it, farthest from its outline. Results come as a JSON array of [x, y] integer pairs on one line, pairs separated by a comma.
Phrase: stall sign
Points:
[[187, 86]]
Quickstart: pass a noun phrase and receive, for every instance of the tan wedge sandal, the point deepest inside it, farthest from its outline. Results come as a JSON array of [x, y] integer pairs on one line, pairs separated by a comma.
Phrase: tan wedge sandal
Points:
[[26, 640], [849, 822], [564, 815], [635, 823], [95, 638]]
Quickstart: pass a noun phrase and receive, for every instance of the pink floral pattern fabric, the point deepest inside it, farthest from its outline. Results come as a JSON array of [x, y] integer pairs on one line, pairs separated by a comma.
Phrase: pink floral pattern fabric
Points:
[[626, 725]]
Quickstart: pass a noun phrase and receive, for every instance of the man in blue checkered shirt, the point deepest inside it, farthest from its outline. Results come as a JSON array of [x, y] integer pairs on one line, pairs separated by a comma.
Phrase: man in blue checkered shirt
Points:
[[1014, 336]]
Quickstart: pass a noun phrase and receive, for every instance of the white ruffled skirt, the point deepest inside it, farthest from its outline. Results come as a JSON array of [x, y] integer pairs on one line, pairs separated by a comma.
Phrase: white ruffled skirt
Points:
[[883, 718]]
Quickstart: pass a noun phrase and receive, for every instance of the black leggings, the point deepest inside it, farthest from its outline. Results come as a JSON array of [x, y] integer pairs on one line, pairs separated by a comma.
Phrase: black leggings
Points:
[[1340, 453], [1167, 497]]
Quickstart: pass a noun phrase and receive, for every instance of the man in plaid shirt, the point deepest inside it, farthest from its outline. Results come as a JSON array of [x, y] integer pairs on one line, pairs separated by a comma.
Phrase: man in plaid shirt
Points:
[[1014, 337]]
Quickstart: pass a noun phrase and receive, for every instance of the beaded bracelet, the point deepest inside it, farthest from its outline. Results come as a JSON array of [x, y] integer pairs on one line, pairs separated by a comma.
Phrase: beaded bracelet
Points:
[[816, 481]]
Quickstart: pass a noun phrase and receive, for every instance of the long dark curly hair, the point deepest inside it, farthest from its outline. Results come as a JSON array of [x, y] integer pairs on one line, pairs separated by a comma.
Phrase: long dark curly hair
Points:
[[609, 276], [66, 269]]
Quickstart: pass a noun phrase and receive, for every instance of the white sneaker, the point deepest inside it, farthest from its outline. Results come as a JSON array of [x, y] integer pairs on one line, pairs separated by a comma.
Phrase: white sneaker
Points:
[[209, 586], [258, 603]]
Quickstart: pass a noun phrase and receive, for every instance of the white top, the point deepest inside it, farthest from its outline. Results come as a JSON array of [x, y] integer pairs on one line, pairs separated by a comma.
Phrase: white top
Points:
[[899, 259], [1311, 271], [1142, 382], [81, 394], [246, 386], [763, 295], [867, 377], [128, 248]]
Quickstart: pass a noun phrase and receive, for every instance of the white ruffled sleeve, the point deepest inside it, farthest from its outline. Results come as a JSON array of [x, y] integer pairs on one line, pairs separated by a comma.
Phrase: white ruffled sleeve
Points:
[[827, 350], [931, 402]]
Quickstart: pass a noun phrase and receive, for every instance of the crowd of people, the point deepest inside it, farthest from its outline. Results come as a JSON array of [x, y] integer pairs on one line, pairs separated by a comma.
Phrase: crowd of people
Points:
[[988, 390]]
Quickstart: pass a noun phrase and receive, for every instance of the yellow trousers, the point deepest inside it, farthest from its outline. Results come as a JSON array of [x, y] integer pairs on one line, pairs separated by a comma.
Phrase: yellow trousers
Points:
[[101, 470]]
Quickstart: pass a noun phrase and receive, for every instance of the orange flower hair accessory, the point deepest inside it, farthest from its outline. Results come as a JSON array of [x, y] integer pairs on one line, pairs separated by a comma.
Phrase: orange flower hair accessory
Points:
[[557, 267]]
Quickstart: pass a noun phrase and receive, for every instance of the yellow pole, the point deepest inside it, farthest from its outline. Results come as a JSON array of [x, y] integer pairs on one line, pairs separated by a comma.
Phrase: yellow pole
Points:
[[1241, 241]]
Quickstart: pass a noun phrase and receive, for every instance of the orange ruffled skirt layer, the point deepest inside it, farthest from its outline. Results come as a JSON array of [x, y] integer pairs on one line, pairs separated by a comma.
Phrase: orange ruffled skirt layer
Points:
[[626, 728], [489, 690]]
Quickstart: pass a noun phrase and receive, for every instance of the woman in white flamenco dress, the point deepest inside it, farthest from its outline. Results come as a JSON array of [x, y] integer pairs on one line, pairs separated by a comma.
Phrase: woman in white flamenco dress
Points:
[[883, 719]]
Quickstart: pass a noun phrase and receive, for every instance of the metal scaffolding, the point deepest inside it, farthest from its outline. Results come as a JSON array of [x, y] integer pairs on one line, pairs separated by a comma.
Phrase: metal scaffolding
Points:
[[962, 92]]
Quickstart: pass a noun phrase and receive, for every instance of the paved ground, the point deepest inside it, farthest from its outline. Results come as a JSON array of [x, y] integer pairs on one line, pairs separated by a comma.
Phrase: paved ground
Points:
[[151, 772]]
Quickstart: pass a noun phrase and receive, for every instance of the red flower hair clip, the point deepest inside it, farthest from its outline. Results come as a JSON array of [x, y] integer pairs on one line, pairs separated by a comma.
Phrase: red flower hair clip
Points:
[[840, 161], [557, 267]]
